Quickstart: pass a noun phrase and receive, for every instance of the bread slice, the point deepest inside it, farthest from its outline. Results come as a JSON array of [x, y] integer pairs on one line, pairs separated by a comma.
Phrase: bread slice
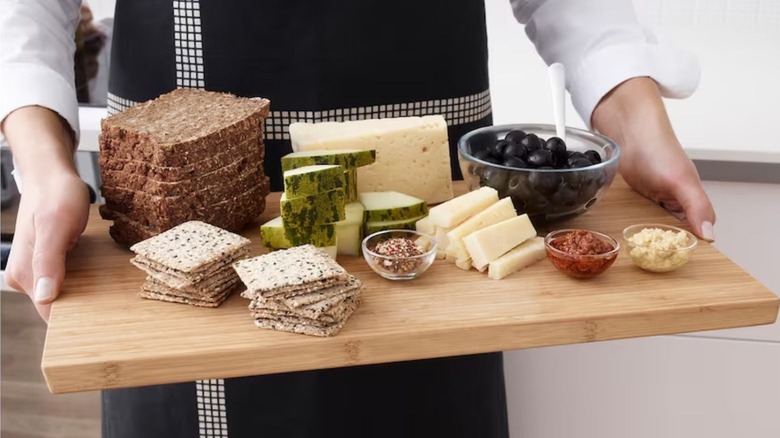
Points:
[[231, 214], [182, 173], [181, 127], [228, 177]]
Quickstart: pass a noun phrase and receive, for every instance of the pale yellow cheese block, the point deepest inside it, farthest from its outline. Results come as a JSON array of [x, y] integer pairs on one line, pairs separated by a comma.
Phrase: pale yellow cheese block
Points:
[[424, 226], [412, 153], [492, 242], [526, 254], [453, 212], [498, 212]]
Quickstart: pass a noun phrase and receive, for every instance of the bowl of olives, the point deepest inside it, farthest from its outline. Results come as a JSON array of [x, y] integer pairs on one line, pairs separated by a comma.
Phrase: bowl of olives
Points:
[[549, 179]]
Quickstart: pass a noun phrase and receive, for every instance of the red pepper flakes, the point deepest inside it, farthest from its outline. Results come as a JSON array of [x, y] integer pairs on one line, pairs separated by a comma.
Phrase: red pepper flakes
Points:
[[398, 250], [580, 247]]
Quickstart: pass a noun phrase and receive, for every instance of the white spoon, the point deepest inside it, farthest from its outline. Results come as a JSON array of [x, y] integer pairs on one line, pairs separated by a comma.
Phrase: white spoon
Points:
[[558, 86]]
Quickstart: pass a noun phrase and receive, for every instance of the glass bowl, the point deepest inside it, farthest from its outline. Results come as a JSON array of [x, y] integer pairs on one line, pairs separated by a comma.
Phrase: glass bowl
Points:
[[581, 265], [546, 195], [399, 267], [662, 252]]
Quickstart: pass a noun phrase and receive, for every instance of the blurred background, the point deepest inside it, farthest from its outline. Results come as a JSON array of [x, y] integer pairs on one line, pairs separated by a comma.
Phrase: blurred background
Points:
[[715, 384]]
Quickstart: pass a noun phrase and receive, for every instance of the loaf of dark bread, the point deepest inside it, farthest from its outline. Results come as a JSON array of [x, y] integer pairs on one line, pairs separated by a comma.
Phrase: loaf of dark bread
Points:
[[249, 164], [187, 155], [163, 213], [182, 173], [232, 216], [182, 127]]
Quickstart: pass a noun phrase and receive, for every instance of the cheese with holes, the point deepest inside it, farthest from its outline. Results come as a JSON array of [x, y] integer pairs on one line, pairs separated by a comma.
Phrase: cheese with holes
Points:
[[528, 253], [412, 153], [453, 212], [492, 242], [498, 212]]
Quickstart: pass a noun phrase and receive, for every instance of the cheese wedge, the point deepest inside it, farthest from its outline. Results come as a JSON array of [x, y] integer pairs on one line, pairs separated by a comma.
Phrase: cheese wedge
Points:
[[424, 226], [498, 212], [412, 153], [350, 230], [391, 206], [492, 242], [453, 212], [464, 264], [526, 254]]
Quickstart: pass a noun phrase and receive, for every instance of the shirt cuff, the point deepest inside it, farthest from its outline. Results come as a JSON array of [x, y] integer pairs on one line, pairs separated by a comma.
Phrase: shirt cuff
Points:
[[676, 72], [27, 85]]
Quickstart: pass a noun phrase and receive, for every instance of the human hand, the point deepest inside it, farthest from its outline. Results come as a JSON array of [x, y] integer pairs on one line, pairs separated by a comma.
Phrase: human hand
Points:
[[53, 209], [653, 162]]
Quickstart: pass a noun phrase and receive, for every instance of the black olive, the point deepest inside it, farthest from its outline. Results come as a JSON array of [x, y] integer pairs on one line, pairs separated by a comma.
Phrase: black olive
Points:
[[593, 156], [494, 177], [565, 198], [574, 179], [497, 151], [555, 145], [545, 182], [515, 136], [481, 154], [540, 158], [490, 159], [515, 162], [531, 142], [579, 163], [573, 155], [515, 150]]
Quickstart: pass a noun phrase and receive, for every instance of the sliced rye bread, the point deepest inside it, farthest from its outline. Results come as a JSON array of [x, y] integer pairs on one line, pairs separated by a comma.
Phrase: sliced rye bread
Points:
[[181, 127], [232, 215], [247, 165], [138, 204], [182, 173]]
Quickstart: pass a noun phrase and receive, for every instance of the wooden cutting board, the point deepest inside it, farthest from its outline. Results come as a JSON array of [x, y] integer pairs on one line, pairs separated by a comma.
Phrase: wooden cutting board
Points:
[[102, 335]]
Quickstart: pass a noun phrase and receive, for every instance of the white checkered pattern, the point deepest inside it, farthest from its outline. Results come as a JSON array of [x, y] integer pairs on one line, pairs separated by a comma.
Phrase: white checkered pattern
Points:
[[212, 414], [457, 111], [117, 104], [188, 41]]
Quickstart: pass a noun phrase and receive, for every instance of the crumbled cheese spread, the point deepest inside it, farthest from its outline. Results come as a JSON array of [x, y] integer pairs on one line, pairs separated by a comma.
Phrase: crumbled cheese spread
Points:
[[659, 250]]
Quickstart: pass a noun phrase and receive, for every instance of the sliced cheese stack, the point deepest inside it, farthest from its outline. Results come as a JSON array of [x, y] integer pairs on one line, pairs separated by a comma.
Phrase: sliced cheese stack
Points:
[[190, 264], [318, 206], [479, 230], [299, 290], [348, 159], [391, 211], [412, 153]]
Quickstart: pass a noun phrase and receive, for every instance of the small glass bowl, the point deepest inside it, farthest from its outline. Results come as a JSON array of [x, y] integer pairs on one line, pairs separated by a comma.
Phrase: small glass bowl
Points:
[[581, 266], [399, 267], [658, 259]]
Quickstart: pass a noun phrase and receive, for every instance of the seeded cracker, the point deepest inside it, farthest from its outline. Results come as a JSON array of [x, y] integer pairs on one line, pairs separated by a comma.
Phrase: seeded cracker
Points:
[[289, 269], [171, 275], [190, 246]]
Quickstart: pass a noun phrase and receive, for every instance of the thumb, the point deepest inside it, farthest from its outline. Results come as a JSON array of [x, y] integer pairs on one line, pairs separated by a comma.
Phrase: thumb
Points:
[[48, 261], [698, 209]]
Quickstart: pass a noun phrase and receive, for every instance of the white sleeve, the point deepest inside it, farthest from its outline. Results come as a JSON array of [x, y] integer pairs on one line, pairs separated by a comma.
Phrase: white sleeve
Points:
[[37, 45], [601, 44]]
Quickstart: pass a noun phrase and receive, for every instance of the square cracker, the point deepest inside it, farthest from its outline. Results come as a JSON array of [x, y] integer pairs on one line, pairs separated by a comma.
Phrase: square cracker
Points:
[[190, 246], [336, 313], [205, 294], [330, 301], [181, 278], [302, 329], [203, 283], [294, 301], [184, 300], [289, 270]]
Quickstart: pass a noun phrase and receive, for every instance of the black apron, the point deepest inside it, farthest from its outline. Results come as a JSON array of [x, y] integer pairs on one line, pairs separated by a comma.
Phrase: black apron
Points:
[[316, 61]]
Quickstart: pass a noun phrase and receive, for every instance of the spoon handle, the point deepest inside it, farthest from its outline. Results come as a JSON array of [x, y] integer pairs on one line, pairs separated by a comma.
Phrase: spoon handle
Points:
[[558, 85]]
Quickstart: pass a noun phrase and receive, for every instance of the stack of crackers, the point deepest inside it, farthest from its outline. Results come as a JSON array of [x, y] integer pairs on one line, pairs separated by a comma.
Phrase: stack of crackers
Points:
[[299, 290], [190, 264]]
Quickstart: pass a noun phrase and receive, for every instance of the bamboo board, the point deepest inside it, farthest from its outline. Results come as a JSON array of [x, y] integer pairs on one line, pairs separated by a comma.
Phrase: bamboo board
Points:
[[102, 335]]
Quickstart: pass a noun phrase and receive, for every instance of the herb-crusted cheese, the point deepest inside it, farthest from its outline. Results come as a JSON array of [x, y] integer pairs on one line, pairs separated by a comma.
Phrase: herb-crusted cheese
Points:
[[274, 235], [391, 206], [314, 209], [310, 180], [348, 159], [412, 153]]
